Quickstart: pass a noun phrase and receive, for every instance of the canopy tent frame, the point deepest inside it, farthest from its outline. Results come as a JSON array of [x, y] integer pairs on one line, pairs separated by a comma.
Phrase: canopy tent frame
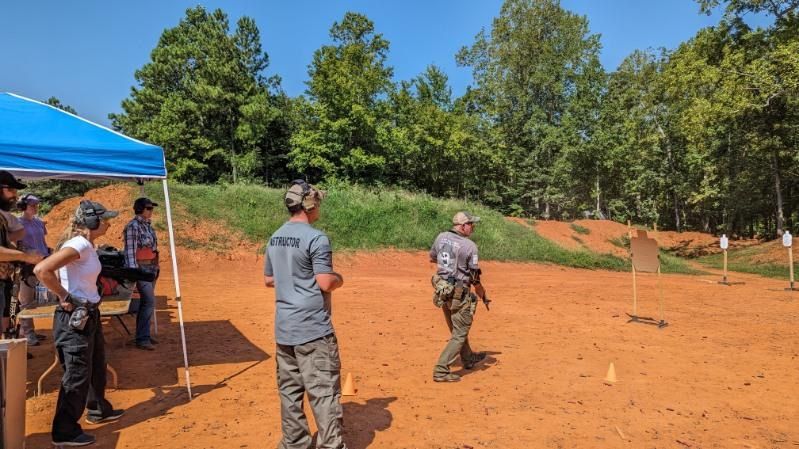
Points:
[[28, 158]]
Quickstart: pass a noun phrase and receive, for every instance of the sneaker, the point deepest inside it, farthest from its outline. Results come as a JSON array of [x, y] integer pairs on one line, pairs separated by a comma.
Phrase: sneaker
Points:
[[476, 358], [447, 378], [113, 415], [153, 341], [83, 439], [147, 346]]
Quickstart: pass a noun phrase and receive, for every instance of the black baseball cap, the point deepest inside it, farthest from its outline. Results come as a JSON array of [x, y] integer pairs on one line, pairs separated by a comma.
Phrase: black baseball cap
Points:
[[142, 203], [8, 180]]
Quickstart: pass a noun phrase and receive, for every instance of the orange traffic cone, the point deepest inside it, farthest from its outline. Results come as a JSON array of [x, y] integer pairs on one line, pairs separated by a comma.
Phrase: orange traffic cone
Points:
[[610, 378], [349, 387]]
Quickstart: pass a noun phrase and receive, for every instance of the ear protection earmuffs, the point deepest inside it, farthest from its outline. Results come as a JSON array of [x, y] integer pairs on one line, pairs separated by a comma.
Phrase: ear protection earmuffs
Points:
[[308, 200], [22, 204], [90, 217]]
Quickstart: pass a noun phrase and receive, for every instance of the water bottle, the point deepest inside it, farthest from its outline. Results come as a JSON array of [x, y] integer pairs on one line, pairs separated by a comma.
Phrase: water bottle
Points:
[[41, 294]]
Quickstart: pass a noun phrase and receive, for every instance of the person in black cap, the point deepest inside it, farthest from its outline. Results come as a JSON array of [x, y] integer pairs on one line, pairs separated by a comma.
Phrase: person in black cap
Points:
[[8, 252], [77, 329], [141, 251]]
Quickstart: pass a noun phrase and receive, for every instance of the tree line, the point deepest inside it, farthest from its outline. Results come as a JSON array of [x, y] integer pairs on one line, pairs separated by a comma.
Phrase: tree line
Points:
[[703, 136]]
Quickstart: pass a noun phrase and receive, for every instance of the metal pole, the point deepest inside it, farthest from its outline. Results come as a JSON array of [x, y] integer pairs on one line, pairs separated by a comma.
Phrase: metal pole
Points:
[[176, 276]]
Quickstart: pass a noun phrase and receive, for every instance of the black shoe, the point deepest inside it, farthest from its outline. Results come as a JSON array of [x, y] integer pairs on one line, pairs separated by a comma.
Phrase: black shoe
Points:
[[83, 439], [147, 346], [113, 415], [476, 358], [451, 377]]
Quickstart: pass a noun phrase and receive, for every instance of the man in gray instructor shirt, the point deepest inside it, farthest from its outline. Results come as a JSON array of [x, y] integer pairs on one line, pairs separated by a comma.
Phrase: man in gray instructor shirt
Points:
[[299, 265]]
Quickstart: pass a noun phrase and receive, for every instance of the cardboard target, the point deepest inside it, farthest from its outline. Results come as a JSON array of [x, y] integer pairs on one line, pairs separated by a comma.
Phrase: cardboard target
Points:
[[724, 242], [644, 252]]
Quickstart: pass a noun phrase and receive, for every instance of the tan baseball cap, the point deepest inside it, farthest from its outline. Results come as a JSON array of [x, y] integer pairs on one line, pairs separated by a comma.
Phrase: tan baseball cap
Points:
[[464, 217], [301, 190]]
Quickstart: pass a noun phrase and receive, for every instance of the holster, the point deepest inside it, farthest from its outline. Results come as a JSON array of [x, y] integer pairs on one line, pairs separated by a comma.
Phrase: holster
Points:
[[443, 290]]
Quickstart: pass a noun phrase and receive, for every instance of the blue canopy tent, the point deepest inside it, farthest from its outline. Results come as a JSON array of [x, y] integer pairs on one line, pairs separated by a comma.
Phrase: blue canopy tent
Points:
[[39, 141]]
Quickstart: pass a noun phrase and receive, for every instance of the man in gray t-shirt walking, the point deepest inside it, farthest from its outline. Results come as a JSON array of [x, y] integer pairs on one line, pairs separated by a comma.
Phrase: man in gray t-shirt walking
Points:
[[457, 271], [299, 265]]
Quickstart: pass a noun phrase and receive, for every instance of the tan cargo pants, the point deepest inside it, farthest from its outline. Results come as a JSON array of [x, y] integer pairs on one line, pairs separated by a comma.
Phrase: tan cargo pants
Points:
[[315, 368], [459, 319]]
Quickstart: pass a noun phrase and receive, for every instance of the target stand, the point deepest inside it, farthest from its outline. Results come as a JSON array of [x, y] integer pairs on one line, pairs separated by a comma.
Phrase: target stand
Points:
[[645, 258]]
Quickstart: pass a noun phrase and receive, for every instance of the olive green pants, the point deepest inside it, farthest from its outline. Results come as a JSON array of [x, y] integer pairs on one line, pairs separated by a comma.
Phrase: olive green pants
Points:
[[459, 319], [315, 368]]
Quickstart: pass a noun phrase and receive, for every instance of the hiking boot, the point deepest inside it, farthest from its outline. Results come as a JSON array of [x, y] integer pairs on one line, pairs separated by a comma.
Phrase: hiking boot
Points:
[[147, 346], [451, 377], [113, 415], [83, 439], [476, 358]]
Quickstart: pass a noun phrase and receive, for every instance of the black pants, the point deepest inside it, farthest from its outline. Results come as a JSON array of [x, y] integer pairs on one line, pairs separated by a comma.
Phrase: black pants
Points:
[[82, 357]]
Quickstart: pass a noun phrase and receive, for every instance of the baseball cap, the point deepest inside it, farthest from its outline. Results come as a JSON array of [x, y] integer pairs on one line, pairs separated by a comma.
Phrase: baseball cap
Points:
[[88, 209], [464, 217], [142, 203], [8, 180], [294, 195]]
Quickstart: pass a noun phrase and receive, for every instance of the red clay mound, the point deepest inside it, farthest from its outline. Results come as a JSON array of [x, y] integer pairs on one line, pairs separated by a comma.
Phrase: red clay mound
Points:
[[114, 197], [199, 240], [600, 234]]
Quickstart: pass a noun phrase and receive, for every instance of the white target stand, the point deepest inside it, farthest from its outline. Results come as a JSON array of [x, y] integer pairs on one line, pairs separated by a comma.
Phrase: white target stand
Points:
[[724, 243]]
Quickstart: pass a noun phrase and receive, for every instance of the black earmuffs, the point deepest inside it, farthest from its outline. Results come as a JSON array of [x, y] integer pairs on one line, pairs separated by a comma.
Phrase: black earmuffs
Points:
[[90, 217], [308, 200]]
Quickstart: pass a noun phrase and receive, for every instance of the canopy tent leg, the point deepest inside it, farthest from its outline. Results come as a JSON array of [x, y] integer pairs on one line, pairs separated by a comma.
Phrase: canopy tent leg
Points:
[[176, 276]]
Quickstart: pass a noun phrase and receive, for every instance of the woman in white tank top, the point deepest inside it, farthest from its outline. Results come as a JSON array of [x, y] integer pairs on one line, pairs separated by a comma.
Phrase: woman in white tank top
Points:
[[71, 273]]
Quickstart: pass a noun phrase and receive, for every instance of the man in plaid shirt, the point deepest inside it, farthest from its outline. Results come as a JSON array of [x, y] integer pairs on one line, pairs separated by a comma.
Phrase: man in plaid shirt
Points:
[[141, 251]]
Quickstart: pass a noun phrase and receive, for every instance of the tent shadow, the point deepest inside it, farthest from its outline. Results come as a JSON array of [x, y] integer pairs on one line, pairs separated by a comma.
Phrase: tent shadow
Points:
[[363, 421], [158, 406], [220, 340]]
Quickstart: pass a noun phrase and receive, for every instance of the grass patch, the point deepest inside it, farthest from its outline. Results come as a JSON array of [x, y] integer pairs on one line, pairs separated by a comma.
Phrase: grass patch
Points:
[[741, 260], [359, 218], [580, 229]]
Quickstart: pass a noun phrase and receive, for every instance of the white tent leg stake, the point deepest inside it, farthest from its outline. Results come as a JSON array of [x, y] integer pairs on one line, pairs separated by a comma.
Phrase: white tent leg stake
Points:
[[176, 277]]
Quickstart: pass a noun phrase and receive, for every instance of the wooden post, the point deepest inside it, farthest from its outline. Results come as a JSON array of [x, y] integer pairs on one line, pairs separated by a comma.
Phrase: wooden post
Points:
[[790, 263], [724, 279], [635, 295], [629, 229], [660, 288], [655, 226]]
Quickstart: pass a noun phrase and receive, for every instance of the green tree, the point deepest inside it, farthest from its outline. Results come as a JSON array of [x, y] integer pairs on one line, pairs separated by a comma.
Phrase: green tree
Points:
[[345, 130], [528, 71], [199, 95]]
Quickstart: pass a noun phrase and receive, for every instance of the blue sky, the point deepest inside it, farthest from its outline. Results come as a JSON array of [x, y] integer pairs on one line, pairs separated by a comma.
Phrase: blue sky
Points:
[[85, 52]]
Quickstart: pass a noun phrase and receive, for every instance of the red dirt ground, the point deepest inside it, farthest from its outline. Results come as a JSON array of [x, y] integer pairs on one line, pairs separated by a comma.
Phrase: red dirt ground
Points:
[[721, 375]]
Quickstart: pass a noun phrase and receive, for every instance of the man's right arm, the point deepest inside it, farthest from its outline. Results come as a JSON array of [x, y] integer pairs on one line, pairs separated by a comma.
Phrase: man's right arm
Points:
[[13, 255], [329, 281]]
